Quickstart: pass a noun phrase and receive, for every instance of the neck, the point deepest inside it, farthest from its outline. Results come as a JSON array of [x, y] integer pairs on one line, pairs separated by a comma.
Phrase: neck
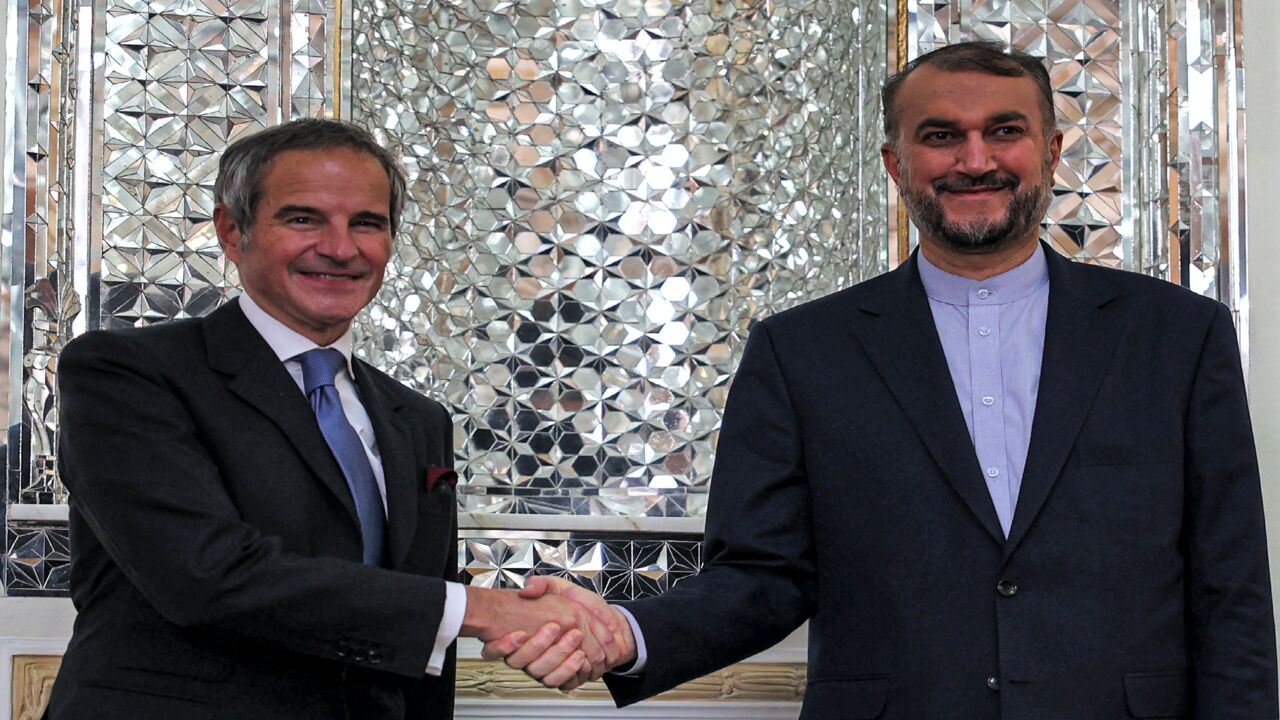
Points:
[[977, 266], [324, 336]]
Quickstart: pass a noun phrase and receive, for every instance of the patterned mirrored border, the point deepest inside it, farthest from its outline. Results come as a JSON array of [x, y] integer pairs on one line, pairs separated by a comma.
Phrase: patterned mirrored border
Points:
[[37, 559], [617, 568]]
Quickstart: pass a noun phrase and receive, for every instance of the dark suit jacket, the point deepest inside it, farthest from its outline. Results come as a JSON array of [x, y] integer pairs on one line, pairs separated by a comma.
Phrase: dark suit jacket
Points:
[[1134, 580], [216, 552]]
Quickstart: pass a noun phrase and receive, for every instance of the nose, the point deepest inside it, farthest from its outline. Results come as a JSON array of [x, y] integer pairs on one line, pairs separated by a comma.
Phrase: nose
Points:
[[974, 156], [337, 243]]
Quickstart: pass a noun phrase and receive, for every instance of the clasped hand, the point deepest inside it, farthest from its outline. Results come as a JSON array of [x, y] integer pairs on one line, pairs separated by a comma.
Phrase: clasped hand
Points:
[[558, 633]]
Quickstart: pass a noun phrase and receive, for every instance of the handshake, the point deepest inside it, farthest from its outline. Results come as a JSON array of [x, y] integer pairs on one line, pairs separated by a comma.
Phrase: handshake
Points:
[[558, 633]]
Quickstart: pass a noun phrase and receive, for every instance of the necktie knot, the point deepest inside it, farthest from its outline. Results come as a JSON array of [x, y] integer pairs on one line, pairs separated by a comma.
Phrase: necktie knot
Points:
[[319, 367]]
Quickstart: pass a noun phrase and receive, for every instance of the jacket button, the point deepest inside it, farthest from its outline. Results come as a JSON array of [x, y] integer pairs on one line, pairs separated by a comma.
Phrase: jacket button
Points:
[[1006, 588], [993, 683]]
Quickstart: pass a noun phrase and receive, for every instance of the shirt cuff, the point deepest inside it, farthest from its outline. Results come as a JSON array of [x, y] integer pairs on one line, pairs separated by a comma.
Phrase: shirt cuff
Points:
[[455, 608], [642, 653]]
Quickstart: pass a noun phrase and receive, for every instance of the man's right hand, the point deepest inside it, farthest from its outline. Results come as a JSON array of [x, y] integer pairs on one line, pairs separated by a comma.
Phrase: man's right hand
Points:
[[544, 659]]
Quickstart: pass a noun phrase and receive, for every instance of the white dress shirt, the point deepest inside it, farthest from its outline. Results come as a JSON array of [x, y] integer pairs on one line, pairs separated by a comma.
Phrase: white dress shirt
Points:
[[288, 344]]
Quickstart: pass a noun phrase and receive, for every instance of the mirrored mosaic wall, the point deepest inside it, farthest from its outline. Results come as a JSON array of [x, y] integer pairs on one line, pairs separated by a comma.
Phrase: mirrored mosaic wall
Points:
[[607, 195]]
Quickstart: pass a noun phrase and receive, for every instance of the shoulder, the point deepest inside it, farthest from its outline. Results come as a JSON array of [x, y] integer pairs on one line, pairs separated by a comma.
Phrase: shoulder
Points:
[[839, 307], [1154, 298], [156, 343]]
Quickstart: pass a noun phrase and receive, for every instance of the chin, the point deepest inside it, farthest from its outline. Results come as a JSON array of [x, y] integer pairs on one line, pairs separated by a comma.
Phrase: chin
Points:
[[979, 219]]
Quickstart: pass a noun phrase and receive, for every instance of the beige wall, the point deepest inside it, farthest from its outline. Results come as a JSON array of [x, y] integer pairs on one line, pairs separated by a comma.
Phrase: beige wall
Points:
[[1262, 154]]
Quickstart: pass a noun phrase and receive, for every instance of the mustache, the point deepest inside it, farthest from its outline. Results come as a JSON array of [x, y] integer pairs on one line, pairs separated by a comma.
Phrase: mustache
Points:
[[994, 179]]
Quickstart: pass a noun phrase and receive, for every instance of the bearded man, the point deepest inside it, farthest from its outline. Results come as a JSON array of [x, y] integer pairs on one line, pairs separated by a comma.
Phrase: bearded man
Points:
[[996, 483]]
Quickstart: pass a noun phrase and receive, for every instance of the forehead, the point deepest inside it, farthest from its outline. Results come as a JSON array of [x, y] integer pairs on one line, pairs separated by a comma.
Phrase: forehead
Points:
[[340, 171], [964, 97]]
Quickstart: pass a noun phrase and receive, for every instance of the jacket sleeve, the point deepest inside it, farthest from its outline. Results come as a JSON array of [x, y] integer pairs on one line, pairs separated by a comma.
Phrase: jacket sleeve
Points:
[[758, 580], [147, 487], [1230, 626]]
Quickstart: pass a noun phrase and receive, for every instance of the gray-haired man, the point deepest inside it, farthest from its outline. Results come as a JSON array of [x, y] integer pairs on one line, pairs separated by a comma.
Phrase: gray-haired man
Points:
[[262, 525]]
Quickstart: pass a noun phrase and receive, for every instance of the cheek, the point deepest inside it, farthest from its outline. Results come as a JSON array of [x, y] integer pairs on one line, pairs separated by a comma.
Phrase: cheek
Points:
[[1026, 162], [377, 254], [927, 167]]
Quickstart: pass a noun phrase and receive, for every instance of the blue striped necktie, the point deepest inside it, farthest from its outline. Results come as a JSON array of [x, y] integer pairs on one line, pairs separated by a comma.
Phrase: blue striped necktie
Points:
[[319, 367]]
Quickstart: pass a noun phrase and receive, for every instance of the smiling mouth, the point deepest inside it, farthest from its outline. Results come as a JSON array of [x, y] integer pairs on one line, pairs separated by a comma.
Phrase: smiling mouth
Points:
[[330, 276], [985, 184]]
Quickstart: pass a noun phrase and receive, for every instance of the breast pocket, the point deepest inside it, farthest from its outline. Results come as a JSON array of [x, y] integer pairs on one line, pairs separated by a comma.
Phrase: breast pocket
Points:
[[1130, 491], [860, 698], [1125, 454], [437, 502], [433, 552]]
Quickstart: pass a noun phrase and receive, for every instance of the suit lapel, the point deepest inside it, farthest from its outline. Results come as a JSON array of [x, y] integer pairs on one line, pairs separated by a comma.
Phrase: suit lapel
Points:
[[1080, 338], [897, 332], [396, 451], [259, 378]]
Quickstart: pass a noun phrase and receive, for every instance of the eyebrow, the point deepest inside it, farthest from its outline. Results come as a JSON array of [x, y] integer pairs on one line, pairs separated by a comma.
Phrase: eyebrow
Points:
[[375, 217], [1010, 116], [997, 119], [296, 209]]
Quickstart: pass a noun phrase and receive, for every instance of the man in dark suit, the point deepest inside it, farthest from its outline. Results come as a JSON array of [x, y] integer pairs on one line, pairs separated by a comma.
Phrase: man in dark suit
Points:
[[263, 526], [996, 483]]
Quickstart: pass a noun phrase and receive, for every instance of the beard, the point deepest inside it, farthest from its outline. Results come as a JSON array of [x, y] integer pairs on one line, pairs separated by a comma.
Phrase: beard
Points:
[[1021, 218]]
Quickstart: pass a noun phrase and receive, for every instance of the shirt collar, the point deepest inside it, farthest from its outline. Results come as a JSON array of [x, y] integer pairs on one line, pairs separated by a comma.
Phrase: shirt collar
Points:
[[286, 342], [1009, 286]]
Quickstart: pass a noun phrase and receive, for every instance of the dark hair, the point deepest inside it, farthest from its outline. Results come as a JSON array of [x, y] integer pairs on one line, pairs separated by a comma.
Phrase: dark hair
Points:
[[982, 56], [245, 162]]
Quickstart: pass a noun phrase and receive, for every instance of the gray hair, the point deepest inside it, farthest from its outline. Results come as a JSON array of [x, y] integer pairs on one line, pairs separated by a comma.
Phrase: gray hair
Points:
[[245, 162], [981, 56]]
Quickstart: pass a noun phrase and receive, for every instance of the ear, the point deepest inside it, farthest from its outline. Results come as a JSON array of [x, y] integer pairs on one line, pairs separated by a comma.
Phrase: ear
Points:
[[890, 158], [228, 232], [1055, 149]]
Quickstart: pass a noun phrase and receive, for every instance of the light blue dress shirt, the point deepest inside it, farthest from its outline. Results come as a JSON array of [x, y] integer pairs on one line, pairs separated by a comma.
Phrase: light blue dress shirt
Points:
[[992, 332]]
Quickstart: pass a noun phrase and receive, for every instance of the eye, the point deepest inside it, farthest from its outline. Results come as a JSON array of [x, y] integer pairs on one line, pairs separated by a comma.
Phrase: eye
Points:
[[1009, 131], [937, 136], [299, 220]]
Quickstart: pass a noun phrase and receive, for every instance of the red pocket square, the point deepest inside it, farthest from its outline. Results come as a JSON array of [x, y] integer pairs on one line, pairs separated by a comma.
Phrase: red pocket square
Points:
[[436, 474]]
